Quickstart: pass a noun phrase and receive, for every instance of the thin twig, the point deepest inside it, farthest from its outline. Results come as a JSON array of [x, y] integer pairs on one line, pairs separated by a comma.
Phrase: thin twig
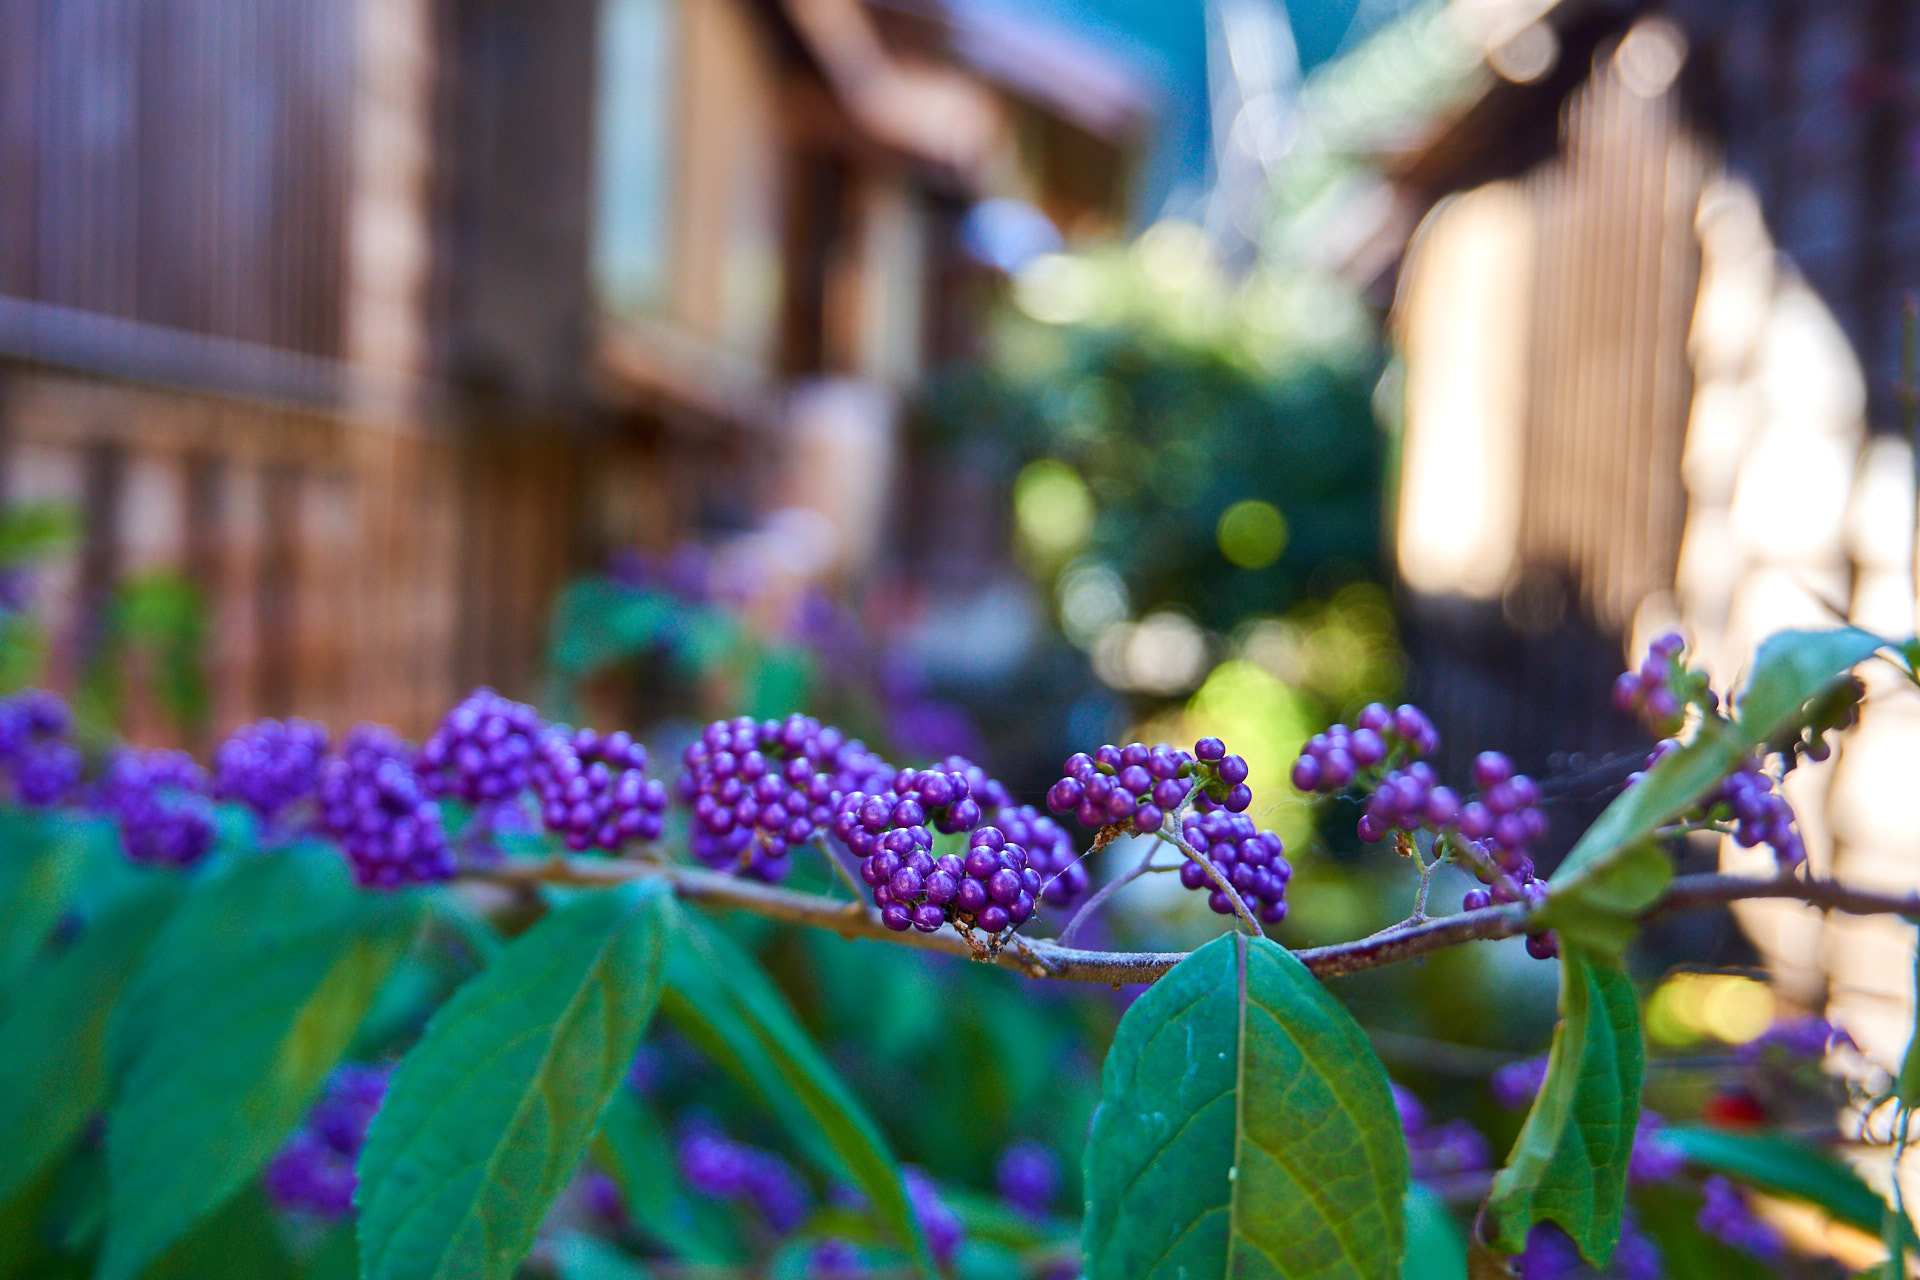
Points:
[[1426, 883], [1042, 958], [1106, 891], [830, 850], [1219, 878]]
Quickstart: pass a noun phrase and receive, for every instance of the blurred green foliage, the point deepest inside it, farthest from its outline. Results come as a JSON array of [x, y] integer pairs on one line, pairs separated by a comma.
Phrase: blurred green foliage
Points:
[[1211, 439]]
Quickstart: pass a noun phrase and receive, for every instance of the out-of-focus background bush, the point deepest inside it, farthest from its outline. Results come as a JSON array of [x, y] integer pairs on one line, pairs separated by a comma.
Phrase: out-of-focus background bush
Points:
[[990, 376]]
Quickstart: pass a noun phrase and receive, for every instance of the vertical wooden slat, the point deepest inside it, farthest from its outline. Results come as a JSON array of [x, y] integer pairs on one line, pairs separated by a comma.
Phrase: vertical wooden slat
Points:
[[20, 115], [276, 590]]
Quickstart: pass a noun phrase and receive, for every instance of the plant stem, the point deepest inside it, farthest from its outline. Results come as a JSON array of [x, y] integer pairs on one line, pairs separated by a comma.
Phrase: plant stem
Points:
[[1106, 891], [830, 850], [1219, 879], [1043, 958]]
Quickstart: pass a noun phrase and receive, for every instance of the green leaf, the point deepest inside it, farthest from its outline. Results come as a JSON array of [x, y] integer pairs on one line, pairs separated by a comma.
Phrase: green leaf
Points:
[[1602, 915], [579, 1256], [1667, 789], [1896, 1233], [53, 1075], [1569, 1164], [1436, 1247], [637, 1155], [1245, 1128], [1784, 1166], [40, 862], [1669, 1215], [489, 1114], [242, 1005], [241, 1238], [990, 1218], [1792, 667], [724, 1002], [1907, 1086], [597, 623]]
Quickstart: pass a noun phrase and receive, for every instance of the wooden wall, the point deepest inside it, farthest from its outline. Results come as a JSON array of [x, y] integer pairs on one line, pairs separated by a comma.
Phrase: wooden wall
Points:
[[1598, 357], [180, 162], [348, 571]]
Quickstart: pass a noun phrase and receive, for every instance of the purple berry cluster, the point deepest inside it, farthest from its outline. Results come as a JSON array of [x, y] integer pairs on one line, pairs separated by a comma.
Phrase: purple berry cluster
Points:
[[158, 800], [313, 1173], [1514, 1085], [1649, 689], [594, 791], [1747, 798], [1498, 827], [1492, 831], [940, 1223], [483, 750], [42, 767], [1439, 1150], [1794, 1040], [835, 1259], [1380, 737], [1505, 814], [270, 767], [1049, 848], [1252, 860], [1726, 1216], [1028, 1178], [717, 1166], [1138, 785], [759, 788], [1760, 814], [1551, 1255], [1653, 1157], [1050, 852], [991, 887], [372, 803]]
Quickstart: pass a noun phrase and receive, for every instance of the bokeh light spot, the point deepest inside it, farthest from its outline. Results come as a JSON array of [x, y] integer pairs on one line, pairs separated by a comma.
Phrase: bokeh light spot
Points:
[[1052, 507], [1252, 533], [1691, 1007]]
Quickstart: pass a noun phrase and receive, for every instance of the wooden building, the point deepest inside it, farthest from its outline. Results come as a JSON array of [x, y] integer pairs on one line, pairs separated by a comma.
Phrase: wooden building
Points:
[[378, 319], [1649, 311]]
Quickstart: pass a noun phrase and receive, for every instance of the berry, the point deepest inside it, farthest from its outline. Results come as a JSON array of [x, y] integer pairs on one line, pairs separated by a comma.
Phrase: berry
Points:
[[483, 751], [1252, 861], [1138, 787], [1726, 1216], [593, 789], [1028, 1177], [42, 767], [1380, 737], [1793, 1040], [1437, 1151], [270, 767], [835, 1259], [158, 799], [756, 789], [1050, 852], [940, 1223], [1747, 799], [719, 1167], [1657, 688], [372, 803], [313, 1172], [1515, 1084], [993, 886], [1653, 1158]]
